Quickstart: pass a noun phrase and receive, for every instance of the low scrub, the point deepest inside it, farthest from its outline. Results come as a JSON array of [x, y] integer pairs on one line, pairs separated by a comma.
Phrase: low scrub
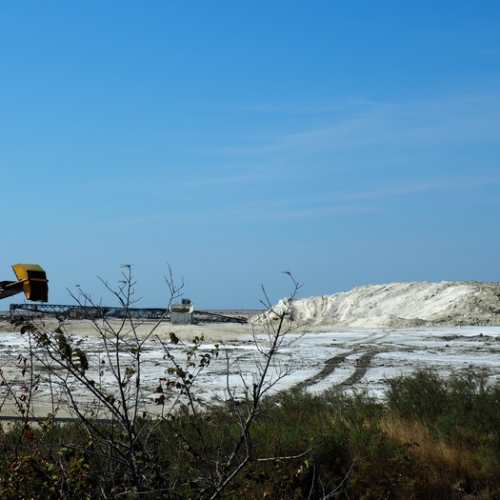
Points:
[[433, 437], [304, 447]]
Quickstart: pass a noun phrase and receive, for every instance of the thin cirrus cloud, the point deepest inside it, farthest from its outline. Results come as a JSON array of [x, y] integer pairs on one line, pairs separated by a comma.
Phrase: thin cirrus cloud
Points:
[[366, 200], [265, 186], [471, 118], [342, 203], [160, 179], [414, 187]]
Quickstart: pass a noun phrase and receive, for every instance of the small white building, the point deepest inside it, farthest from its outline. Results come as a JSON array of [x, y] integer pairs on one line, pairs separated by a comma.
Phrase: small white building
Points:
[[182, 314]]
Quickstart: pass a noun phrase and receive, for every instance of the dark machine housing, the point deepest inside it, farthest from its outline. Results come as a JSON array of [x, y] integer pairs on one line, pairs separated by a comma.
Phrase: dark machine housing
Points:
[[32, 280]]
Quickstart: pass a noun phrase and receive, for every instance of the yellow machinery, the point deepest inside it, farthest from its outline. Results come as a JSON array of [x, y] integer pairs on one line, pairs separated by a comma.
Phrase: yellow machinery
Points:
[[32, 280]]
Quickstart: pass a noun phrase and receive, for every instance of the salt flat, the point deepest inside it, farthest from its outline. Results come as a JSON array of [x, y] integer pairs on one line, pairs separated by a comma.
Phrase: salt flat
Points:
[[353, 340], [410, 304], [315, 358]]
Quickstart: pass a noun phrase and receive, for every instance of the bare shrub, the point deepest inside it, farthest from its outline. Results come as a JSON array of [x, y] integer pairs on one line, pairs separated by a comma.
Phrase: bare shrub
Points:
[[120, 427]]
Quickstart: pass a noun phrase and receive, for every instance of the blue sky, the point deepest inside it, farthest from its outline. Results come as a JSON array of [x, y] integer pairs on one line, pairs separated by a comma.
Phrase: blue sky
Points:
[[348, 142]]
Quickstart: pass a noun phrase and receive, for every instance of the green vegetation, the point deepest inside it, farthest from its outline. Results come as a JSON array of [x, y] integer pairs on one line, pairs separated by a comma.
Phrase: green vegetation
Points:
[[435, 438]]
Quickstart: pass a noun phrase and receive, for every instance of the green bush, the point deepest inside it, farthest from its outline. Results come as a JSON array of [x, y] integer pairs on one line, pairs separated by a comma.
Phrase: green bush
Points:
[[461, 408], [305, 446], [420, 396]]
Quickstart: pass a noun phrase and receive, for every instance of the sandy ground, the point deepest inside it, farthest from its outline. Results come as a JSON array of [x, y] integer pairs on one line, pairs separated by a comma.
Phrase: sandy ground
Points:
[[354, 340], [397, 305], [316, 358]]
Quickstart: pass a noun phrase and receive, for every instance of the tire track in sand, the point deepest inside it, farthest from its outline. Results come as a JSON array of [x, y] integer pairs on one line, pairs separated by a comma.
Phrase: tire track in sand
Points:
[[362, 365]]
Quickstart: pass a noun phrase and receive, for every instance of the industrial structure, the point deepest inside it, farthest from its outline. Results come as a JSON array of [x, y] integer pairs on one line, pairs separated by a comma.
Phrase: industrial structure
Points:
[[182, 314], [31, 279], [65, 311]]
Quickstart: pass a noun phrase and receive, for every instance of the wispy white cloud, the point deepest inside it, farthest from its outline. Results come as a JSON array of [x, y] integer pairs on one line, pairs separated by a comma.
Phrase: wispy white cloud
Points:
[[199, 180], [163, 179], [410, 187], [470, 118], [377, 199], [263, 185], [306, 108]]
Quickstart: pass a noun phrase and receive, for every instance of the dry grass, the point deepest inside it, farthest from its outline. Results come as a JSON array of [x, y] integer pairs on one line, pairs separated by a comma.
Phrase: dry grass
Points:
[[466, 468]]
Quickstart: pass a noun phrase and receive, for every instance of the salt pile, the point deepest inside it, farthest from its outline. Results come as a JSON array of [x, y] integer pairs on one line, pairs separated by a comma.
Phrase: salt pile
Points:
[[449, 303]]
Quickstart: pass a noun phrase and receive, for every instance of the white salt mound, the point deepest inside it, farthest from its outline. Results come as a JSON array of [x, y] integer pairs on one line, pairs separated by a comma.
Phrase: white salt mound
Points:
[[449, 303]]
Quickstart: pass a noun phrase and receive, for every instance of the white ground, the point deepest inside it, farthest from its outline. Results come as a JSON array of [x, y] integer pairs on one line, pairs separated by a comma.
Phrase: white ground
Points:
[[353, 358], [416, 303], [322, 354]]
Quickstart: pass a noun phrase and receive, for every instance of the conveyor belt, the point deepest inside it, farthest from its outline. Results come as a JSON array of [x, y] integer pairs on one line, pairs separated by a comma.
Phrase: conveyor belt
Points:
[[88, 312]]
